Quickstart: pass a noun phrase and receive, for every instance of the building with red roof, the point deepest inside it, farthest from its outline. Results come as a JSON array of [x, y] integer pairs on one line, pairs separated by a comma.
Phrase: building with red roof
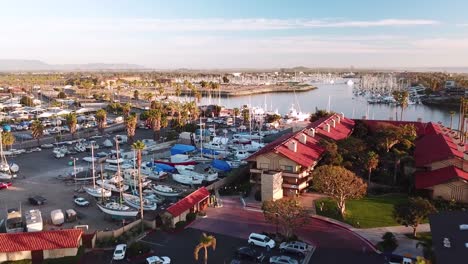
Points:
[[191, 203], [40, 245], [283, 167], [441, 164]]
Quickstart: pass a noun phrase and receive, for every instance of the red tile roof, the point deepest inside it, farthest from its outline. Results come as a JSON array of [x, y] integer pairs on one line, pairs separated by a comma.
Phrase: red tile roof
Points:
[[435, 147], [440, 176], [188, 202], [45, 240], [341, 130]]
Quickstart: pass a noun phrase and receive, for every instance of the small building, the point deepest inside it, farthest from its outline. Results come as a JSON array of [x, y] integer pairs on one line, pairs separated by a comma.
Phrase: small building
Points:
[[38, 246], [284, 166], [450, 85], [192, 203], [450, 236]]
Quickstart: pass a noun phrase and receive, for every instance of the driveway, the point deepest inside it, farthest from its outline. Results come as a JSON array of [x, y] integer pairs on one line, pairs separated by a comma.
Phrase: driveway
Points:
[[334, 244]]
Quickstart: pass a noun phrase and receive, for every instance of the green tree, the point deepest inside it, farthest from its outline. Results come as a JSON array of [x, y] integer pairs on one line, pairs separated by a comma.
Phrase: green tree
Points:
[[62, 95], [388, 243], [413, 212], [225, 79], [26, 101], [288, 214], [203, 84], [8, 139], [339, 183], [205, 243], [155, 118], [319, 113], [130, 125], [401, 97], [136, 95], [332, 156], [37, 130], [72, 121], [246, 115], [139, 146], [372, 161], [101, 119], [126, 108], [148, 96]]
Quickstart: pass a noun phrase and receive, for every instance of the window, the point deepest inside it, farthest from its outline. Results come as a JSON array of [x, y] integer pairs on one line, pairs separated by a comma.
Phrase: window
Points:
[[264, 166], [287, 168]]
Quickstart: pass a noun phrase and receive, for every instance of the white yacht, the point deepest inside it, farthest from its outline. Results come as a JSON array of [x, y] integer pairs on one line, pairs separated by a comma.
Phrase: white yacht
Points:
[[117, 210], [189, 170], [166, 190], [94, 190], [299, 116], [134, 201], [187, 179]]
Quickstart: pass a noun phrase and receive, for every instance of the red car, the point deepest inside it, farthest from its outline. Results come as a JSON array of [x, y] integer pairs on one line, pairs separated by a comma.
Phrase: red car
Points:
[[5, 185]]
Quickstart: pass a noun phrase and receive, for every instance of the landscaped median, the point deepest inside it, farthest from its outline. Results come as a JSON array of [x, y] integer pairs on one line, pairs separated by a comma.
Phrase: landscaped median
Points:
[[368, 212]]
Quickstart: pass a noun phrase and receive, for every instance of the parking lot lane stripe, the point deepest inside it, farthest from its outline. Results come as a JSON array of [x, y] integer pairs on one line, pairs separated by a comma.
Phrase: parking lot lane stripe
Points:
[[307, 258], [152, 243]]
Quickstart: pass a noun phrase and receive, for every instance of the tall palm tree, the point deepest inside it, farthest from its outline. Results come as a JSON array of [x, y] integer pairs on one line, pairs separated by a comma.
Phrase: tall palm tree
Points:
[[236, 112], [126, 108], [372, 161], [178, 91], [154, 117], [72, 120], [138, 147], [148, 96], [101, 117], [452, 113], [401, 97], [8, 139], [205, 243], [37, 130], [130, 125]]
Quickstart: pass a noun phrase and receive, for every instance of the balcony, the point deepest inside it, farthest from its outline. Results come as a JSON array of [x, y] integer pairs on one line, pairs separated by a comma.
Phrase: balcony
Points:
[[295, 186], [300, 175]]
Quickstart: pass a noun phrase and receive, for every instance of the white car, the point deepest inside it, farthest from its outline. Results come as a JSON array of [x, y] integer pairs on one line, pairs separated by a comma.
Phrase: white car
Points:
[[80, 201], [158, 260], [261, 241], [119, 252], [283, 260]]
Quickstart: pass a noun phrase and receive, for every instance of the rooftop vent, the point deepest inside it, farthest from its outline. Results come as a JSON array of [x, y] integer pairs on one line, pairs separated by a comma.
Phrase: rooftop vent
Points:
[[327, 128], [303, 138], [338, 119], [292, 145], [311, 132], [333, 122]]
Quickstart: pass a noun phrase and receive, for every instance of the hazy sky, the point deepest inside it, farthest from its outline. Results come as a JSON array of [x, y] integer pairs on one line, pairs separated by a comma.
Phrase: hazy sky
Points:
[[238, 33]]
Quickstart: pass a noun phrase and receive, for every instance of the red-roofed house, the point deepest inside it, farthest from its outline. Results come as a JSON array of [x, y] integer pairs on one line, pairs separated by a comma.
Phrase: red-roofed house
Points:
[[40, 245], [283, 167], [192, 203], [442, 164]]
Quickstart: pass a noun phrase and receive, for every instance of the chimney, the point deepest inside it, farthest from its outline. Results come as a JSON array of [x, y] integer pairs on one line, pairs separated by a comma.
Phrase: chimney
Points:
[[312, 132], [292, 145], [465, 156], [338, 119], [461, 147], [333, 122], [342, 115], [419, 119], [364, 117], [327, 128], [303, 138]]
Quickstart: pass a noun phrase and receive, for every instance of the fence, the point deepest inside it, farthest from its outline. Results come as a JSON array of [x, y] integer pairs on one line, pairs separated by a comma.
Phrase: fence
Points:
[[105, 235], [228, 180]]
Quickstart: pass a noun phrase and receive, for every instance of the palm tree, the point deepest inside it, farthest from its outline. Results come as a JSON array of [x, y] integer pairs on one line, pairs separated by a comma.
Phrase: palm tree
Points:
[[401, 97], [126, 108], [205, 243], [71, 123], [148, 96], [8, 139], [139, 146], [136, 95], [101, 117], [37, 130], [452, 113], [372, 161], [178, 91], [130, 125], [236, 112], [154, 117]]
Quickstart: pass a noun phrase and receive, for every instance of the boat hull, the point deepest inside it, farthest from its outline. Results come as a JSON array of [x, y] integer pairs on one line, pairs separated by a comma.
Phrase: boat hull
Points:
[[117, 213]]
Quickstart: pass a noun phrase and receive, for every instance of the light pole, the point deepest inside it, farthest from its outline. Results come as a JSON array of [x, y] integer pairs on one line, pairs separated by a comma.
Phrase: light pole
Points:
[[74, 170]]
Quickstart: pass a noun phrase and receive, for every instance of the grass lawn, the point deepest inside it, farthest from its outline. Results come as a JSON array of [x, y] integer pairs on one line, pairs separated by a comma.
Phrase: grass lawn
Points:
[[424, 236], [368, 212]]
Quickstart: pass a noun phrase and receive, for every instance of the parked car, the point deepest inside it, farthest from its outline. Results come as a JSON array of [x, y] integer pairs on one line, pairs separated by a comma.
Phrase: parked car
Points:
[[119, 252], [5, 185], [37, 200], [247, 253], [158, 260], [261, 241], [283, 260], [80, 201], [295, 247]]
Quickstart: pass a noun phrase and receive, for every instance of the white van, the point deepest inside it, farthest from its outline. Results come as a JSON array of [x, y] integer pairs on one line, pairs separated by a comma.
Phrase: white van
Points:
[[261, 241]]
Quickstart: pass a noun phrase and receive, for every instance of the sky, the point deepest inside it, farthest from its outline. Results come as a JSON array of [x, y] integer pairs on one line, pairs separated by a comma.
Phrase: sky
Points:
[[212, 34]]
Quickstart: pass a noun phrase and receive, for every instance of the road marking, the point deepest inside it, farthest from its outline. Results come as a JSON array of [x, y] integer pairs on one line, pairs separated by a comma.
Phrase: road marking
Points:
[[152, 243], [309, 256]]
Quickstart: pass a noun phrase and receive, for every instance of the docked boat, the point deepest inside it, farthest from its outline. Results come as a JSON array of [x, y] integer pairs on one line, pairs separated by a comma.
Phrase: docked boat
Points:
[[117, 210], [149, 195], [91, 159], [187, 179], [94, 190], [5, 176], [107, 143], [299, 116], [80, 147], [115, 167], [60, 152], [153, 174], [130, 177], [134, 201], [166, 190], [112, 185]]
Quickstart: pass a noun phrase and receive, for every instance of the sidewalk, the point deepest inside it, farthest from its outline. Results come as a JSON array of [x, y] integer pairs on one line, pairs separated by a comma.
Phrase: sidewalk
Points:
[[406, 246]]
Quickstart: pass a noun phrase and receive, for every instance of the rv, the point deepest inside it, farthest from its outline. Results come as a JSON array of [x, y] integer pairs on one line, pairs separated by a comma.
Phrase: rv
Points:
[[33, 220]]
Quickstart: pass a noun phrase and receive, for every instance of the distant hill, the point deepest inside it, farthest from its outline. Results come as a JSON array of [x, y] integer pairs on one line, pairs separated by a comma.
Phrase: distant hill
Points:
[[37, 65]]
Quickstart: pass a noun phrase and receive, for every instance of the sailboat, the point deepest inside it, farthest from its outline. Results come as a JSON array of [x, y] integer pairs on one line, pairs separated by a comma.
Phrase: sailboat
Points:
[[117, 209], [96, 191], [134, 201], [166, 190]]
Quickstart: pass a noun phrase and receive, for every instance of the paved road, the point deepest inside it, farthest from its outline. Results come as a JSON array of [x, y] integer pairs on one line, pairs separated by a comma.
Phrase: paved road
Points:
[[334, 244]]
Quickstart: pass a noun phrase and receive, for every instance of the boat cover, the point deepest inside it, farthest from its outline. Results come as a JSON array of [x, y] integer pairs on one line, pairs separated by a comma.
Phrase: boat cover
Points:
[[181, 149], [220, 165]]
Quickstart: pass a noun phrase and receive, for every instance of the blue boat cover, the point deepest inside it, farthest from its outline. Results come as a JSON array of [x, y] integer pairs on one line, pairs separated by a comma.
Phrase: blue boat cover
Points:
[[181, 149], [6, 128], [220, 165], [163, 167]]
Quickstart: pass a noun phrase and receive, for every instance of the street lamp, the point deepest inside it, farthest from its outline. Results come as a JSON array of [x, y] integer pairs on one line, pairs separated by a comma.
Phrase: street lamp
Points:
[[74, 170]]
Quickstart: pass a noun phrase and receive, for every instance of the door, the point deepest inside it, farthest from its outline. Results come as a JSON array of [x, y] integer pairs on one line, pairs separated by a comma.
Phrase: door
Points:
[[37, 256]]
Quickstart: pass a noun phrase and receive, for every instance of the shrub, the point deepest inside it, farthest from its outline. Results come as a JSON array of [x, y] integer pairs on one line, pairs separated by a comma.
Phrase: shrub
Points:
[[190, 217], [137, 248], [388, 243], [180, 224]]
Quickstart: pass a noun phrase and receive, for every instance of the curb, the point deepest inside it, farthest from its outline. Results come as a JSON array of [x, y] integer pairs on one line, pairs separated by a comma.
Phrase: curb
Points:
[[344, 226]]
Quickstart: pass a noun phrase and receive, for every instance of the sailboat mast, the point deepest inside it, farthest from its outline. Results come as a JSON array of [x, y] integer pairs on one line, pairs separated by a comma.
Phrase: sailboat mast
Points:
[[118, 169], [201, 138], [92, 165], [102, 180]]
